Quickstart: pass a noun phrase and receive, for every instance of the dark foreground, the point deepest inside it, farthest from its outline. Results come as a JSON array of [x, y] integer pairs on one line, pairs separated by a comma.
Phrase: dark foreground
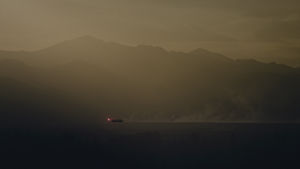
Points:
[[152, 145]]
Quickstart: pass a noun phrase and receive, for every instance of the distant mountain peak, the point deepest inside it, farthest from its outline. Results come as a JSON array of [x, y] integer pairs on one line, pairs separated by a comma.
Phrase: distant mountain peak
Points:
[[87, 38], [85, 41], [200, 50], [155, 48], [204, 52]]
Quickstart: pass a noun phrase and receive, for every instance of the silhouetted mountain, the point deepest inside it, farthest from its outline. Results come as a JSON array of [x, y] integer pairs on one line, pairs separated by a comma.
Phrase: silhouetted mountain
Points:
[[251, 65], [97, 87], [267, 96], [22, 104], [84, 43], [135, 62], [20, 71], [151, 82], [297, 69], [205, 53]]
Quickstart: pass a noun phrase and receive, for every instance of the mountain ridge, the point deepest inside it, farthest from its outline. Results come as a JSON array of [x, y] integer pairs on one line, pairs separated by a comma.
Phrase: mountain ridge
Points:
[[123, 80]]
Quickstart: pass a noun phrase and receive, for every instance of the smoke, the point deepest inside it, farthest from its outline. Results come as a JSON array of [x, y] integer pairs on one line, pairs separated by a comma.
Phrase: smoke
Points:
[[238, 109]]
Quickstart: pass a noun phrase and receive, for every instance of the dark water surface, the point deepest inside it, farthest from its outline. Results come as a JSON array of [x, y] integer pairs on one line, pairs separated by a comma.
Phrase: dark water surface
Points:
[[152, 145]]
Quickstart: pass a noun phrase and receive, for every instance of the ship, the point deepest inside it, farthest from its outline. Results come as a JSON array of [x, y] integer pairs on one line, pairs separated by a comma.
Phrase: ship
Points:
[[115, 119]]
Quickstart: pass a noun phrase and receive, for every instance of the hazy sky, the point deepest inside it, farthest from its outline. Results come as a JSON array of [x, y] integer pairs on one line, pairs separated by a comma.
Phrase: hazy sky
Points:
[[267, 30]]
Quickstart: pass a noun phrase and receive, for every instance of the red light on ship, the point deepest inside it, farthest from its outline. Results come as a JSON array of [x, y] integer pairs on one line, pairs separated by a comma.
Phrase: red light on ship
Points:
[[115, 119]]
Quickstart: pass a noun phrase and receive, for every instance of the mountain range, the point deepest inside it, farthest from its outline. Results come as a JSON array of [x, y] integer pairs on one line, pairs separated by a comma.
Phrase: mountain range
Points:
[[146, 83]]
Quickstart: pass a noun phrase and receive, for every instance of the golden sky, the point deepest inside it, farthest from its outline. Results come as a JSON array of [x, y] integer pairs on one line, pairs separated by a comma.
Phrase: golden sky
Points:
[[266, 30]]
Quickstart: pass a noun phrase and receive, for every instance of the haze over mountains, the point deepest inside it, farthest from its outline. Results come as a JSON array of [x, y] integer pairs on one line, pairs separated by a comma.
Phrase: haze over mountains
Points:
[[146, 83]]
